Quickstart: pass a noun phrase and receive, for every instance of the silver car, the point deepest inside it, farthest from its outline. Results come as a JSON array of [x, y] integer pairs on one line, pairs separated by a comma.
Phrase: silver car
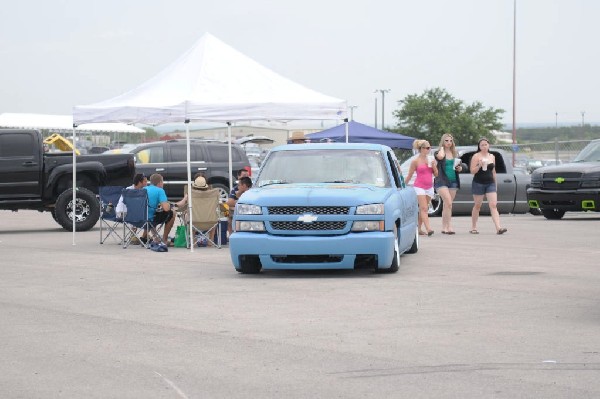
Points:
[[511, 185]]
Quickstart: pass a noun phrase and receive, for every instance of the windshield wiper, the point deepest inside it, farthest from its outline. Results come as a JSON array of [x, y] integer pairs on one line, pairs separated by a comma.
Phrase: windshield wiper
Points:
[[271, 182], [341, 181]]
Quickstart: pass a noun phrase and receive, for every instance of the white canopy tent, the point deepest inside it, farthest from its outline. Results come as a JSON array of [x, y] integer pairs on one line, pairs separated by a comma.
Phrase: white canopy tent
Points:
[[213, 82], [61, 122]]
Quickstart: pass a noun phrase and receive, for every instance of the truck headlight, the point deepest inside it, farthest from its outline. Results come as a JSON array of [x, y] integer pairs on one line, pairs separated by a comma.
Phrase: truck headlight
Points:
[[368, 225], [247, 209], [370, 209], [245, 225]]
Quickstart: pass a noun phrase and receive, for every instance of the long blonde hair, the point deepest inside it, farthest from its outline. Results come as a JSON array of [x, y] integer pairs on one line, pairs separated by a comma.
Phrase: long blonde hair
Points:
[[452, 147]]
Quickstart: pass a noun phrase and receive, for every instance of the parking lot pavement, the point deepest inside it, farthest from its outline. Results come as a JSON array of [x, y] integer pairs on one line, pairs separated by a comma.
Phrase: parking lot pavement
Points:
[[468, 316]]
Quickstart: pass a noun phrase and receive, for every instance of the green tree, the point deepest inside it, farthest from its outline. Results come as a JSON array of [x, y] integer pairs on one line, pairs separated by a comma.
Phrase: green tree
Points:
[[435, 112]]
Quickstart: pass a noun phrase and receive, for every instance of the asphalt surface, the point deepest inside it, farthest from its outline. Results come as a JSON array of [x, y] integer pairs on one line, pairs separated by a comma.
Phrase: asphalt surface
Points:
[[468, 316]]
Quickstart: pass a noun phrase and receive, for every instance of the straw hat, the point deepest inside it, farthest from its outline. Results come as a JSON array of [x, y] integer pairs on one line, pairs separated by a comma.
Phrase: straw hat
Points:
[[298, 135], [200, 183]]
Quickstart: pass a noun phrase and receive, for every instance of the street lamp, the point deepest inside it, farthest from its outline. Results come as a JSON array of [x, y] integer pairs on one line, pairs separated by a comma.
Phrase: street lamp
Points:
[[352, 111], [382, 91], [556, 120]]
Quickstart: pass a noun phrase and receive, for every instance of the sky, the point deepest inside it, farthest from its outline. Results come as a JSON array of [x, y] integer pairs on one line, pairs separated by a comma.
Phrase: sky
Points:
[[55, 54]]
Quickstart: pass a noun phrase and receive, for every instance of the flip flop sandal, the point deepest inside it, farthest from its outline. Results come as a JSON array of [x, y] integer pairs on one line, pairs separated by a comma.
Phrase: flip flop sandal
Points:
[[422, 233], [430, 233], [474, 231], [450, 233], [502, 231]]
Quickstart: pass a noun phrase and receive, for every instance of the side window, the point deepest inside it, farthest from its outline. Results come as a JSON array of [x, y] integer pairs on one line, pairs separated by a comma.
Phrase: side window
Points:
[[150, 155], [500, 165], [197, 153], [17, 145], [220, 153], [178, 153], [393, 163]]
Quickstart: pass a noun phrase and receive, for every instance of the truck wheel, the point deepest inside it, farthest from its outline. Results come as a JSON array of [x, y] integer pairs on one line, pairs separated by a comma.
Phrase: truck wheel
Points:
[[396, 261], [415, 245], [87, 210], [223, 191], [249, 264], [435, 206], [553, 214]]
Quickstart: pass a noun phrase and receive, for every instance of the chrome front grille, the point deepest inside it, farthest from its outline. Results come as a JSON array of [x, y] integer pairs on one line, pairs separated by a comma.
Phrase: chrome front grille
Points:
[[320, 226], [301, 210]]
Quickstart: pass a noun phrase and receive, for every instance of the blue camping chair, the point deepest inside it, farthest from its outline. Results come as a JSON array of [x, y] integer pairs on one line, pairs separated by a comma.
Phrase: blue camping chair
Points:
[[109, 220], [136, 219]]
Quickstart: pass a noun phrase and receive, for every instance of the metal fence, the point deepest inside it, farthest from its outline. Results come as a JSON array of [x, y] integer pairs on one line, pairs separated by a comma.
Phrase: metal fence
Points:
[[535, 155]]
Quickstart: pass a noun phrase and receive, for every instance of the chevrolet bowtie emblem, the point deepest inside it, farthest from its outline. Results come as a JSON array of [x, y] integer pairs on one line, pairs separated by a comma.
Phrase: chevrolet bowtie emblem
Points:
[[307, 218], [559, 180]]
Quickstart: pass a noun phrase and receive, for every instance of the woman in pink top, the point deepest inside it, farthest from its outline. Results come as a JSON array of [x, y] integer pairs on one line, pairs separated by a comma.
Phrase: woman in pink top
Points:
[[425, 167]]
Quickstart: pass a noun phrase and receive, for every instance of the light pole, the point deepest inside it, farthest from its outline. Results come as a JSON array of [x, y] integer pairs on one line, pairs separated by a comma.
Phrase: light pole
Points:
[[352, 111], [514, 117], [582, 118], [556, 120], [382, 91], [375, 112]]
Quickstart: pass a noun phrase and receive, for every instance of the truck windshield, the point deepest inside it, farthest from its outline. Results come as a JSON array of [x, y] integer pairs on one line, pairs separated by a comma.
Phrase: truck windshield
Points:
[[324, 166], [591, 153]]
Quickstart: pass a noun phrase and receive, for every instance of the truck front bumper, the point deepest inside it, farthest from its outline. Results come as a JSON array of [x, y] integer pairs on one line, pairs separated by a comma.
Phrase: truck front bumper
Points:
[[313, 252], [574, 201]]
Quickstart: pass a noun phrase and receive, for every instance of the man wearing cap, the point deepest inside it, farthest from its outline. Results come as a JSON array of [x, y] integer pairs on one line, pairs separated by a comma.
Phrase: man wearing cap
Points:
[[298, 138]]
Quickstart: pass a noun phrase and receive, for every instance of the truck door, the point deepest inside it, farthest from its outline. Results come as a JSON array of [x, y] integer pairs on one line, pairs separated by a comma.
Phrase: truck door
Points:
[[506, 185], [176, 172], [407, 202], [20, 165]]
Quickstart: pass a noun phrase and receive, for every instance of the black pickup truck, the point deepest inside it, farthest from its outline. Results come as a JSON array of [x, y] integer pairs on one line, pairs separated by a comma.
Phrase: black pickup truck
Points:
[[571, 187], [33, 179]]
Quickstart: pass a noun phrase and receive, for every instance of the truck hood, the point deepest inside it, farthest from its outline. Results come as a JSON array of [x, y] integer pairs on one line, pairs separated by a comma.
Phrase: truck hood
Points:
[[316, 195], [581, 167]]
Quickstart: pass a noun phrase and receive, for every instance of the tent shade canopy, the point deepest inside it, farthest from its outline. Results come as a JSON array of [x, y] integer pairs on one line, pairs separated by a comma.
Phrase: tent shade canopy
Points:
[[359, 133], [61, 122], [213, 82]]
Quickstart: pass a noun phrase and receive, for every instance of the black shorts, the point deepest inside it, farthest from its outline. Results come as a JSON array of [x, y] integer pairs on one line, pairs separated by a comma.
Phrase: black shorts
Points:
[[162, 217]]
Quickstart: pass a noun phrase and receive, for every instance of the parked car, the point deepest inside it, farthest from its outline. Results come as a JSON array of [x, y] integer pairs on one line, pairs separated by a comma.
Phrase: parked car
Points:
[[570, 187], [31, 178], [511, 184], [169, 158], [325, 206]]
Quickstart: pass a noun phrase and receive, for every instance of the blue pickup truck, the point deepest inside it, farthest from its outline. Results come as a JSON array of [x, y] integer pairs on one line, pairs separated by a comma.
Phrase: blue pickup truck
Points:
[[325, 206]]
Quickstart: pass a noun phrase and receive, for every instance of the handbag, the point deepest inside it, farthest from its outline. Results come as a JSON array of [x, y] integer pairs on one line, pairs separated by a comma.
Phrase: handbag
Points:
[[180, 237]]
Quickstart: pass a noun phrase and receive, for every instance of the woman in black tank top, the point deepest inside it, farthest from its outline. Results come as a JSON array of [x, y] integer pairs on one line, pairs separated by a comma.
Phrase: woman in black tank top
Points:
[[484, 184]]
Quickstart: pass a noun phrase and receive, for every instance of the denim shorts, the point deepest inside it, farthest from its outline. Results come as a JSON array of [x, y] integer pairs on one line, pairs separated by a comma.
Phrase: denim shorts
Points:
[[481, 189], [453, 185]]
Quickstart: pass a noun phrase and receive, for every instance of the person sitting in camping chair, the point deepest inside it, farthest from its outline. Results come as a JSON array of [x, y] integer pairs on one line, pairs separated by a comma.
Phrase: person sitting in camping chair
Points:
[[159, 208]]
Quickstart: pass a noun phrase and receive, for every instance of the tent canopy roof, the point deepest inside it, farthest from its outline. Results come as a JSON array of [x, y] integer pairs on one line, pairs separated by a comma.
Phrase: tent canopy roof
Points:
[[359, 133], [61, 122], [214, 82]]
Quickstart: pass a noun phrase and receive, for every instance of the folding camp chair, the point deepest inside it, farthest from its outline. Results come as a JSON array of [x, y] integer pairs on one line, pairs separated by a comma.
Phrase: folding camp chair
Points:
[[136, 220], [109, 220], [205, 216]]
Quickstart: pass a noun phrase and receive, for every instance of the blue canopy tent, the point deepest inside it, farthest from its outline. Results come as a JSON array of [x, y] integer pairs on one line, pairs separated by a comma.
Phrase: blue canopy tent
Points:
[[359, 133]]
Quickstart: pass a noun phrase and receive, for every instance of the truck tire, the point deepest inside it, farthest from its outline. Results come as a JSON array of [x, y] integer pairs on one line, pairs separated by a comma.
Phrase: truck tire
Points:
[[415, 245], [249, 264], [223, 191], [87, 210], [435, 206], [396, 261], [553, 213]]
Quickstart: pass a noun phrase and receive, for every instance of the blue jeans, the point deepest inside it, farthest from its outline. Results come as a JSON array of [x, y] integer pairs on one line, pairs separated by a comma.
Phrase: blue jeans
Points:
[[481, 189]]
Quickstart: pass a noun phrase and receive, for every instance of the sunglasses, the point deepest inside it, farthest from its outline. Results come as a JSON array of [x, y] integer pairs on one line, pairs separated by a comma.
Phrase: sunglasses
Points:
[[448, 140], [427, 148]]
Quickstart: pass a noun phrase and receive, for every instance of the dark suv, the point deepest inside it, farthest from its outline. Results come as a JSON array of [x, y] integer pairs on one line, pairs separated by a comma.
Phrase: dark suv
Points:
[[169, 159]]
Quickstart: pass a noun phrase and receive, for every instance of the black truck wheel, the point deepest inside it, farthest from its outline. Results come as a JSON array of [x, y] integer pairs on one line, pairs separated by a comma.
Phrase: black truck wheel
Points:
[[87, 210], [249, 264], [552, 213]]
